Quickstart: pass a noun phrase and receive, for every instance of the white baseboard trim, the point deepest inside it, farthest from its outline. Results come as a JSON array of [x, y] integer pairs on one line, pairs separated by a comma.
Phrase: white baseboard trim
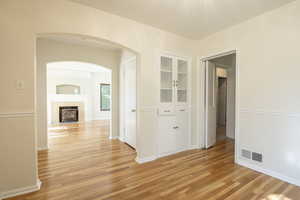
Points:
[[269, 172], [42, 148], [152, 158], [121, 139], [20, 191], [113, 137], [145, 160], [194, 146], [173, 152]]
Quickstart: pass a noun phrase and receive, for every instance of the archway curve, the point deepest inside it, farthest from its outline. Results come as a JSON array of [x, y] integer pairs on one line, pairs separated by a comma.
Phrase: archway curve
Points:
[[96, 40], [87, 38], [90, 66]]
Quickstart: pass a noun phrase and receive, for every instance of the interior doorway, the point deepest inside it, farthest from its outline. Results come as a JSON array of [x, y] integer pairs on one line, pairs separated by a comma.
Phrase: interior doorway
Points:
[[78, 95], [220, 99], [81, 97]]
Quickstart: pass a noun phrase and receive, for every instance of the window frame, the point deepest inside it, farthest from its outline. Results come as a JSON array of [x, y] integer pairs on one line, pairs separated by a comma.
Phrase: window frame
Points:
[[101, 106]]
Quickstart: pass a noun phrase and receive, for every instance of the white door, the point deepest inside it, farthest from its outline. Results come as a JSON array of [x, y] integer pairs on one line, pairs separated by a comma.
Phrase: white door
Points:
[[130, 103], [210, 104]]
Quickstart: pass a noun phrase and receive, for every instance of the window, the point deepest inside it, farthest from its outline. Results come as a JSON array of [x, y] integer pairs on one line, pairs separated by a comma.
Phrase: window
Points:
[[104, 97], [67, 89]]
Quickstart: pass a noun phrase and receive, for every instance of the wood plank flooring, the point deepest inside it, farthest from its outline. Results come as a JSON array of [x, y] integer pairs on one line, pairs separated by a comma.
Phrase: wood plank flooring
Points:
[[83, 164]]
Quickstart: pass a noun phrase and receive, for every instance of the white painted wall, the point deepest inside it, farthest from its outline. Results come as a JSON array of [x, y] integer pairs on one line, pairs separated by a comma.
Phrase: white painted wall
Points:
[[268, 106], [268, 57], [220, 72], [230, 114], [21, 22], [89, 83], [222, 97]]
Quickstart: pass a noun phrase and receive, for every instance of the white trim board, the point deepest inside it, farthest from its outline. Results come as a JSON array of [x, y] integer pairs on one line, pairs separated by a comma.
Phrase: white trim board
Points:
[[16, 114], [43, 148], [218, 54], [20, 191], [152, 158], [145, 160], [172, 152], [193, 146], [114, 137], [268, 172]]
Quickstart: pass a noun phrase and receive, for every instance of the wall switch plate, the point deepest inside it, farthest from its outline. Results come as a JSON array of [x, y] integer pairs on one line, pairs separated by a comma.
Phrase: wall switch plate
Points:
[[19, 85]]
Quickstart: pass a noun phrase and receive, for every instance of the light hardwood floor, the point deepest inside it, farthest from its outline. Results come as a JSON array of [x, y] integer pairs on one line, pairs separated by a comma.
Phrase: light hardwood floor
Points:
[[83, 164]]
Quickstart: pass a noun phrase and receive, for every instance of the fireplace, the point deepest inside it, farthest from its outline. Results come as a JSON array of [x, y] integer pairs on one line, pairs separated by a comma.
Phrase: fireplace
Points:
[[68, 114]]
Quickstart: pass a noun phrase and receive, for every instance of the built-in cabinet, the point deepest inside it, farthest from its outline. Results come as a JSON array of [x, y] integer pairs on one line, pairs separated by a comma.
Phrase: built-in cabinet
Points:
[[174, 109]]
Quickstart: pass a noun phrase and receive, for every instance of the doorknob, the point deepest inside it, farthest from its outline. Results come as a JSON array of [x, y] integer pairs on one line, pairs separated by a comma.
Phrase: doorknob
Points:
[[133, 110]]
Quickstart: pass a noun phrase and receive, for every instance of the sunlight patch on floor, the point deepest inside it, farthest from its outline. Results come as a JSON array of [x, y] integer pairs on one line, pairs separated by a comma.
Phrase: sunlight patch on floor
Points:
[[276, 197], [57, 128]]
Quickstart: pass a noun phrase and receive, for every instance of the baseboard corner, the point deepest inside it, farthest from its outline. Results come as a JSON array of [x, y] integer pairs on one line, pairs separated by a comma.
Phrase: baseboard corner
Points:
[[43, 148], [114, 137], [121, 139], [21, 191], [145, 160], [193, 146]]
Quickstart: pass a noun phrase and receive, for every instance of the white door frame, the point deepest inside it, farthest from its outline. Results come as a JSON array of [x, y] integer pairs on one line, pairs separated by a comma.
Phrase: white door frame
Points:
[[201, 118], [122, 100]]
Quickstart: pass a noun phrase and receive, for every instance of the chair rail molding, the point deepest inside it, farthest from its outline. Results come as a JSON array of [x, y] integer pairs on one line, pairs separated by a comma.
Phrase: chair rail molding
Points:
[[270, 112], [17, 114]]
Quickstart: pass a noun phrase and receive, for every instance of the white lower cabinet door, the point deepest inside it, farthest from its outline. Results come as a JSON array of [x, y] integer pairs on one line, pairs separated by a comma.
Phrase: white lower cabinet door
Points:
[[182, 129], [167, 135]]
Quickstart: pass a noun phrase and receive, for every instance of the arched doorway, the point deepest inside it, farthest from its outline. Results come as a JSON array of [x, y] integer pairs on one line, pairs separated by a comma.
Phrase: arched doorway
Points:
[[60, 55]]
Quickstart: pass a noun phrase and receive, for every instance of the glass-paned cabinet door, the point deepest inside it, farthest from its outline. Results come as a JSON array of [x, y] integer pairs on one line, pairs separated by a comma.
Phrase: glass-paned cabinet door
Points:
[[166, 79], [182, 81]]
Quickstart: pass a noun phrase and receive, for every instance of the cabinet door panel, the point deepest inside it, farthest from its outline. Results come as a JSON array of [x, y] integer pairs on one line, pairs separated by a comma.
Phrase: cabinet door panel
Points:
[[182, 122], [167, 135], [182, 81], [166, 79]]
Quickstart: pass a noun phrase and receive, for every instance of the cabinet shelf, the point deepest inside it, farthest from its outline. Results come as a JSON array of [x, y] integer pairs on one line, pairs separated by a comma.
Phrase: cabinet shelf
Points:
[[174, 77]]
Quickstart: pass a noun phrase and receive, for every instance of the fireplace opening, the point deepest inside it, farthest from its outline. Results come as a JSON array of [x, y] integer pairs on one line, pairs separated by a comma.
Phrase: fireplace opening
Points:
[[68, 114]]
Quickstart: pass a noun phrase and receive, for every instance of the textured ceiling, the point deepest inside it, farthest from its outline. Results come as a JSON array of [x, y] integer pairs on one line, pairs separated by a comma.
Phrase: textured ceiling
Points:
[[194, 19]]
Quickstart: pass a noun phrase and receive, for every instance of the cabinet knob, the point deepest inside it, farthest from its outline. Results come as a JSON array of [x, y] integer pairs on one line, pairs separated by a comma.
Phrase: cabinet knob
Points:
[[175, 127]]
